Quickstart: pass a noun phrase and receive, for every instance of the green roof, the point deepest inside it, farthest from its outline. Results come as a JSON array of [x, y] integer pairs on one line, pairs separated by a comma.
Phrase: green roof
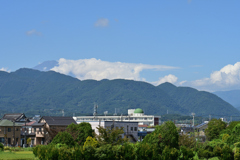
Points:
[[138, 110], [6, 122]]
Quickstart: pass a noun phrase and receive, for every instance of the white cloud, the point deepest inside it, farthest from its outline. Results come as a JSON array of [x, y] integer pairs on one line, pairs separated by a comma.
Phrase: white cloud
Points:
[[168, 78], [102, 22], [226, 78], [33, 32], [4, 69], [98, 69]]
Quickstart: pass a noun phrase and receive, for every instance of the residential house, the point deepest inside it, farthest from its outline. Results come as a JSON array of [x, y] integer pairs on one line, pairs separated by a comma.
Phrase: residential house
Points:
[[48, 127], [10, 132]]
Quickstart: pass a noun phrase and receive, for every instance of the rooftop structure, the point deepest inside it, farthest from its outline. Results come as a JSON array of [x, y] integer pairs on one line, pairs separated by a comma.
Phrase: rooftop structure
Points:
[[134, 115]]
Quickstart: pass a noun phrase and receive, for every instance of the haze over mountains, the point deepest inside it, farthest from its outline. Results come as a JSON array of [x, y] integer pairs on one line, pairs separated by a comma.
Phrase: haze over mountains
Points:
[[48, 93]]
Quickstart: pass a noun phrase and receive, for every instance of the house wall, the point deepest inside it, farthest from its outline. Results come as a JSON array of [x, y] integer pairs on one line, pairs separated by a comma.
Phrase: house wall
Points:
[[7, 133]]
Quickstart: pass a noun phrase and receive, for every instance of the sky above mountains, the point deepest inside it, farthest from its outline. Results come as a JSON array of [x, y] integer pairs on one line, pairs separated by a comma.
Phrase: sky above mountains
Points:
[[188, 43]]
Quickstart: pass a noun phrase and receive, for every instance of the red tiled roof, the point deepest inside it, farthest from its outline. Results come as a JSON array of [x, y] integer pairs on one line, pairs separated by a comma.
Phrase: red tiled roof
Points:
[[143, 125]]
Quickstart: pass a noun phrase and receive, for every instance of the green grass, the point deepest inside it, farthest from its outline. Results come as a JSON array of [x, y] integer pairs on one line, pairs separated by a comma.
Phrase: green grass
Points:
[[17, 155]]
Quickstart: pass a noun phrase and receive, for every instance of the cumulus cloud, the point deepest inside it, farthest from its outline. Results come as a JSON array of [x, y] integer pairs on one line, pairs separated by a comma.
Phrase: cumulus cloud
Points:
[[226, 78], [33, 32], [168, 78], [102, 22], [98, 69], [4, 69]]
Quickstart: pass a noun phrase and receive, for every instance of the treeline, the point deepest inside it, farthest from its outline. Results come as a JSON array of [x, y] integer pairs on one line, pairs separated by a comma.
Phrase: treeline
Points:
[[165, 143]]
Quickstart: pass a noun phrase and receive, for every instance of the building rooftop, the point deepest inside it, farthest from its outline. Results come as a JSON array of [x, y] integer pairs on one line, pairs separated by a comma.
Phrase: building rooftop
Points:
[[60, 121], [17, 117], [138, 110], [6, 122]]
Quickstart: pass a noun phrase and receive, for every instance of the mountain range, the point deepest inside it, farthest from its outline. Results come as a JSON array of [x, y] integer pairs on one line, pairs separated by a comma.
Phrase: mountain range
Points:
[[49, 93]]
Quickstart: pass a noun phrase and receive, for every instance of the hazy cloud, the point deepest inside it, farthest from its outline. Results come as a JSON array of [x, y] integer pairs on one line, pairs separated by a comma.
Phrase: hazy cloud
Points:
[[98, 69], [226, 78], [168, 78], [4, 69], [102, 22], [33, 32]]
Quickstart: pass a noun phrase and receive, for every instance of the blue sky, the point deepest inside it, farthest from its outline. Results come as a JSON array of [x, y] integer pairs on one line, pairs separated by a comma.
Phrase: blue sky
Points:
[[189, 43]]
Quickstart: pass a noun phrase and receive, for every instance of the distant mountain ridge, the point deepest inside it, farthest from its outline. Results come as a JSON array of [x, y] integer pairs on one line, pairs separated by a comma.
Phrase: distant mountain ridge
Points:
[[49, 93], [46, 65], [232, 97]]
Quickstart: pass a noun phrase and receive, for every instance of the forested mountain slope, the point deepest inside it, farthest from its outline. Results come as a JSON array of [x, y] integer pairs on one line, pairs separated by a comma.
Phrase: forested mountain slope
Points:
[[48, 93]]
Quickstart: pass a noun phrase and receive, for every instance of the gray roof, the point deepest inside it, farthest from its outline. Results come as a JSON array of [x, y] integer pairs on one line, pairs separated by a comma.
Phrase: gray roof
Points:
[[17, 117], [60, 121], [200, 125]]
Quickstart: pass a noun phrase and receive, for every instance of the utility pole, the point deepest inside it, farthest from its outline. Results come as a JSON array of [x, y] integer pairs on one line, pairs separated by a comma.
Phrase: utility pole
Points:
[[193, 114], [25, 140], [13, 133]]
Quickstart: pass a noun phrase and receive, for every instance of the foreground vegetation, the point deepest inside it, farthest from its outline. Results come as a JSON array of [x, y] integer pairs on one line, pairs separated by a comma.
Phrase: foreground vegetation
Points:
[[165, 143]]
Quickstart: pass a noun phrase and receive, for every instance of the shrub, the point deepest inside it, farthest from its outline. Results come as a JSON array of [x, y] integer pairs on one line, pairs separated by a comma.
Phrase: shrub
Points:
[[1, 147]]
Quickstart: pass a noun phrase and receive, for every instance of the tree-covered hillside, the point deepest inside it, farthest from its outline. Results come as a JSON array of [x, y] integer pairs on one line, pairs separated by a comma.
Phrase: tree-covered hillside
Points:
[[48, 93]]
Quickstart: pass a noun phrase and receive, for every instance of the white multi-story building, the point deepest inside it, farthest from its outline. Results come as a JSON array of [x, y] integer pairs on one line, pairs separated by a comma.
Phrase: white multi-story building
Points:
[[134, 115], [130, 128]]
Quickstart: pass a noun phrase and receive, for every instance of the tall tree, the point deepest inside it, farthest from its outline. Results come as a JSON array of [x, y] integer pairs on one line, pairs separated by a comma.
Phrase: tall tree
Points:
[[80, 132], [164, 135], [215, 126]]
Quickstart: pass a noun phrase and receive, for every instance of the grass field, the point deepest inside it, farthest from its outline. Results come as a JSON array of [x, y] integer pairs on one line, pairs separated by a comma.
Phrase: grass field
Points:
[[17, 155]]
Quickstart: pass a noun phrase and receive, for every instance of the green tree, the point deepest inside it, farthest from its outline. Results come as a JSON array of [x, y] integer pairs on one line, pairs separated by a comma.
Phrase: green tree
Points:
[[63, 138], [110, 136], [90, 141], [164, 135], [187, 141], [80, 132], [215, 126]]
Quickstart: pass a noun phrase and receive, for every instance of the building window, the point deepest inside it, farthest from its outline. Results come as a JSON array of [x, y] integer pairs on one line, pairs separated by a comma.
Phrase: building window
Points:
[[126, 118], [16, 129], [131, 128], [135, 128], [145, 118], [40, 129], [9, 129], [131, 118], [34, 129]]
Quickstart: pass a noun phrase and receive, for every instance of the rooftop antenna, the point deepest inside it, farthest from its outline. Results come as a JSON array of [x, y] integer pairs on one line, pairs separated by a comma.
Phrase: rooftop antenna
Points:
[[115, 112], [95, 110], [193, 114], [105, 113]]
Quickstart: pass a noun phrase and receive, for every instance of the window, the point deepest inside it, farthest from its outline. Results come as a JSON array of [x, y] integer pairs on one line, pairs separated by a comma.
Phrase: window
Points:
[[135, 128], [126, 118], [9, 129], [40, 129], [131, 118], [16, 129], [34, 129], [131, 128], [145, 118]]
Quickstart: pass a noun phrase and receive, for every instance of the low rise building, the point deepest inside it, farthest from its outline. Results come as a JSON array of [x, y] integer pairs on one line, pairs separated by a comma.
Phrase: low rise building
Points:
[[10, 132], [134, 115], [130, 128]]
